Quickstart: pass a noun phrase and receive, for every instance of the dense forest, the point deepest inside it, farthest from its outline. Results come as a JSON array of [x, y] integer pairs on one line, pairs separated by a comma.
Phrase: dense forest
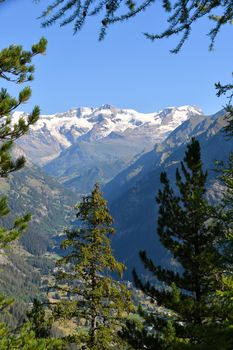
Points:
[[86, 303]]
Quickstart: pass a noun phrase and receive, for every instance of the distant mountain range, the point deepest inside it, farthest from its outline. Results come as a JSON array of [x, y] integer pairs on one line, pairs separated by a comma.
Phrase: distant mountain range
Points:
[[125, 151], [85, 145]]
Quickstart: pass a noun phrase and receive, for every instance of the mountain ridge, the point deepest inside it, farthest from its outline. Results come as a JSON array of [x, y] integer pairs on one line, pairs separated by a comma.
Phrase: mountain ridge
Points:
[[56, 132], [133, 205], [87, 145]]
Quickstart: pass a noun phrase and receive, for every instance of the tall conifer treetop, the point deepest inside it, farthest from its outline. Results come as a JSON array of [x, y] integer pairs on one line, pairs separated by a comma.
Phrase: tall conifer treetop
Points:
[[188, 231], [84, 275]]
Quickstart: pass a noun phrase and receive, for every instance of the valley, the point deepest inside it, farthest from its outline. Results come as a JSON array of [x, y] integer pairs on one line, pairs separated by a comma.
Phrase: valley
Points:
[[123, 150]]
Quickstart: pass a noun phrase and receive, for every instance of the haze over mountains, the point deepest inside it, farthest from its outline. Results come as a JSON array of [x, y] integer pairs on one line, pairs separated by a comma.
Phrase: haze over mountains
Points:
[[133, 204], [85, 145], [54, 133], [125, 151]]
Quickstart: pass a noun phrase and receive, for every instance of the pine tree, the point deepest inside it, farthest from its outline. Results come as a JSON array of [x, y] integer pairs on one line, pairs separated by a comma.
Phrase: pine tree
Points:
[[188, 231], [84, 278], [223, 298], [16, 67], [181, 15], [226, 209], [41, 323], [26, 339]]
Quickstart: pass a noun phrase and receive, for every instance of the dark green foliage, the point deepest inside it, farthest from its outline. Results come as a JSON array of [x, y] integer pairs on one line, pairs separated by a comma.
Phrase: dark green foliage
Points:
[[138, 335], [186, 228], [41, 324], [15, 66], [184, 14], [227, 181], [223, 299], [181, 15], [26, 340], [225, 212], [84, 280], [132, 205]]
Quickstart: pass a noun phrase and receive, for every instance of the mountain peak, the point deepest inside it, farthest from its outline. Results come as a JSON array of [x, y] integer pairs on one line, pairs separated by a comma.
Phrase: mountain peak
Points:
[[56, 132], [194, 109], [107, 106]]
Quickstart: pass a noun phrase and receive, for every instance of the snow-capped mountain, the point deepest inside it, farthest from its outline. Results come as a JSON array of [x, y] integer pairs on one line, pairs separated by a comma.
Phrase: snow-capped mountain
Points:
[[54, 133]]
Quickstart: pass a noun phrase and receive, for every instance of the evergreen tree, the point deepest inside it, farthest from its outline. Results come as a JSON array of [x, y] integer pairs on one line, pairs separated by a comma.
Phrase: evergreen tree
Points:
[[26, 339], [223, 298], [16, 67], [181, 15], [41, 323], [226, 209], [84, 280], [186, 228]]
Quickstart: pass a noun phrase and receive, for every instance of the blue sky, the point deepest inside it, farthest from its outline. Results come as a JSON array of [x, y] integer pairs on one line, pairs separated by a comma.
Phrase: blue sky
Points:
[[125, 70]]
